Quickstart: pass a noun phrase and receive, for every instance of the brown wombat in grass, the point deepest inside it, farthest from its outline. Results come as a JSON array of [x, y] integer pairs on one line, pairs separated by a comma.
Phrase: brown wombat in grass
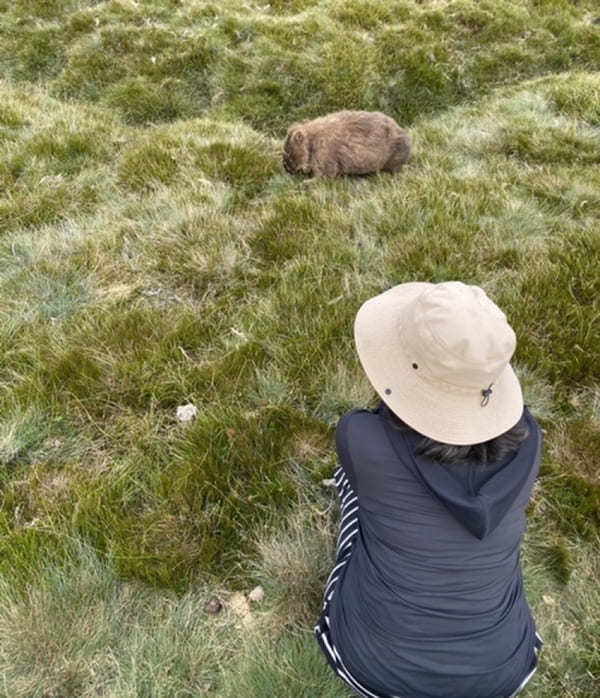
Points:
[[346, 143]]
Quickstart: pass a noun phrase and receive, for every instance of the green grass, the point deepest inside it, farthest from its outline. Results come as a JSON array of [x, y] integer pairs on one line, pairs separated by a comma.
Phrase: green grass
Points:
[[153, 252], [271, 63], [129, 642]]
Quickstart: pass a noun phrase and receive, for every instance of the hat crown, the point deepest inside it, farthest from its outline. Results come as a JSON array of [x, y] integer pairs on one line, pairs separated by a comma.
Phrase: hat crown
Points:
[[459, 336]]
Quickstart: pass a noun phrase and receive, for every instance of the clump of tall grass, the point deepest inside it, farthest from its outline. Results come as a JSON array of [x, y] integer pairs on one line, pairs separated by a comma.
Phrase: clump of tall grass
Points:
[[294, 562]]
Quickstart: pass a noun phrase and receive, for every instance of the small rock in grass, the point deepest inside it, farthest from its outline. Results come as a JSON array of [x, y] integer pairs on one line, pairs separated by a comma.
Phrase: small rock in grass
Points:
[[328, 483], [185, 413], [240, 607], [213, 606], [256, 595]]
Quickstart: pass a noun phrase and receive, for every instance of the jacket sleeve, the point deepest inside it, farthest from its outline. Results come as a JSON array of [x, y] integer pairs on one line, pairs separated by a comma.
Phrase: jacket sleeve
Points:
[[341, 444]]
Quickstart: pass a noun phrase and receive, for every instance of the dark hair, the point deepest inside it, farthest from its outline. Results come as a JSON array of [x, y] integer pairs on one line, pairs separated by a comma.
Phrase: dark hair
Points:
[[485, 452]]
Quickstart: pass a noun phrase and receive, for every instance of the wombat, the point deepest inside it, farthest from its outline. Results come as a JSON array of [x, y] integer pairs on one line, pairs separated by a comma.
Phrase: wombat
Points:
[[346, 143]]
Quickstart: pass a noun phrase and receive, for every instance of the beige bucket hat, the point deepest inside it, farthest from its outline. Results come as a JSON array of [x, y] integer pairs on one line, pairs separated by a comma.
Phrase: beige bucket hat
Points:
[[438, 355]]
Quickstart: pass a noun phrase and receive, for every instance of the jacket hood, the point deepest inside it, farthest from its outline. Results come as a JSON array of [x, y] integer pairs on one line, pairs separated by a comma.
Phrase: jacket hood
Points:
[[478, 496]]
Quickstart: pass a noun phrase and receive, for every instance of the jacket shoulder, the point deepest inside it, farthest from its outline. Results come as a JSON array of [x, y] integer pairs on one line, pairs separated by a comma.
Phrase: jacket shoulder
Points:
[[361, 433], [362, 418], [352, 432]]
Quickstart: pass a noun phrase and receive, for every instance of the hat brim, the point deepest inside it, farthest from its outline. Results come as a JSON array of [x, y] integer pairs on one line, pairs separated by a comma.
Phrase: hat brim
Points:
[[444, 414]]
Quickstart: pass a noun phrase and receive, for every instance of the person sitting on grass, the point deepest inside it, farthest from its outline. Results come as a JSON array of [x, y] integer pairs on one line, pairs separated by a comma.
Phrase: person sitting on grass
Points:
[[426, 597]]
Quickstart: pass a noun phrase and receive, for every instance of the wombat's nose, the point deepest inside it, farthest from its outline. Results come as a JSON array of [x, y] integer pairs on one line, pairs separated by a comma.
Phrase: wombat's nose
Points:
[[287, 165]]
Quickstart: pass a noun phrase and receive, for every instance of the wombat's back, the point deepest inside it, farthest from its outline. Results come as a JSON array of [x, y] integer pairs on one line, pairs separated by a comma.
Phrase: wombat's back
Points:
[[357, 142]]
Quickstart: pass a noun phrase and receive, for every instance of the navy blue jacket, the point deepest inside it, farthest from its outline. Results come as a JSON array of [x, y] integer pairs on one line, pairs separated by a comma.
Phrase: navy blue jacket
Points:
[[431, 602]]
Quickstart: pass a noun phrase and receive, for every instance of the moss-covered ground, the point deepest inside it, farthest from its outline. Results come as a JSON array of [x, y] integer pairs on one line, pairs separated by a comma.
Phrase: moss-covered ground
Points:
[[153, 252]]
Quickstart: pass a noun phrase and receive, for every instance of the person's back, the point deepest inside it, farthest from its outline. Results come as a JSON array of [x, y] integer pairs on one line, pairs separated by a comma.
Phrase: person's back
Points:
[[425, 607], [426, 597]]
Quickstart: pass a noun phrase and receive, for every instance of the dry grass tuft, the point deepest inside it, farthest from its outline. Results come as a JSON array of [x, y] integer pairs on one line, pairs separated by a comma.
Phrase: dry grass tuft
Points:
[[295, 560]]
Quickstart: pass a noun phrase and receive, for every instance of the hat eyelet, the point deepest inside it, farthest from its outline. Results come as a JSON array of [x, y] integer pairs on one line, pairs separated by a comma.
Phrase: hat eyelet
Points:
[[388, 391], [415, 366]]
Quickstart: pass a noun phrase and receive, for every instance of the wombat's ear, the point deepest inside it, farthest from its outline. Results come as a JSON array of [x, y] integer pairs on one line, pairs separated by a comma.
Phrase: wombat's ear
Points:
[[298, 136]]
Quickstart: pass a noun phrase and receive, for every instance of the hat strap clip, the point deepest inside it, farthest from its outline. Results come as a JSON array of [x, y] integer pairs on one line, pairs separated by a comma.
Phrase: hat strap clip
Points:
[[486, 395]]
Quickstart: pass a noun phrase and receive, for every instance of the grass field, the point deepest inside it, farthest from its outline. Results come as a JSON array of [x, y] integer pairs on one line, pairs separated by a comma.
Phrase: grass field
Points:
[[153, 252]]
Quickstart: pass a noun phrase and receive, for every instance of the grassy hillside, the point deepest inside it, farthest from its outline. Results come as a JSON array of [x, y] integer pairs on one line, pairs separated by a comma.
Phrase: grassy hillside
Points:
[[153, 252]]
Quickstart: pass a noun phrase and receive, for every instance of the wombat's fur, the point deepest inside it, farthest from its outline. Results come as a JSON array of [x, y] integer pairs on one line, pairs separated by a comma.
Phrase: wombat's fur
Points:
[[346, 143]]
